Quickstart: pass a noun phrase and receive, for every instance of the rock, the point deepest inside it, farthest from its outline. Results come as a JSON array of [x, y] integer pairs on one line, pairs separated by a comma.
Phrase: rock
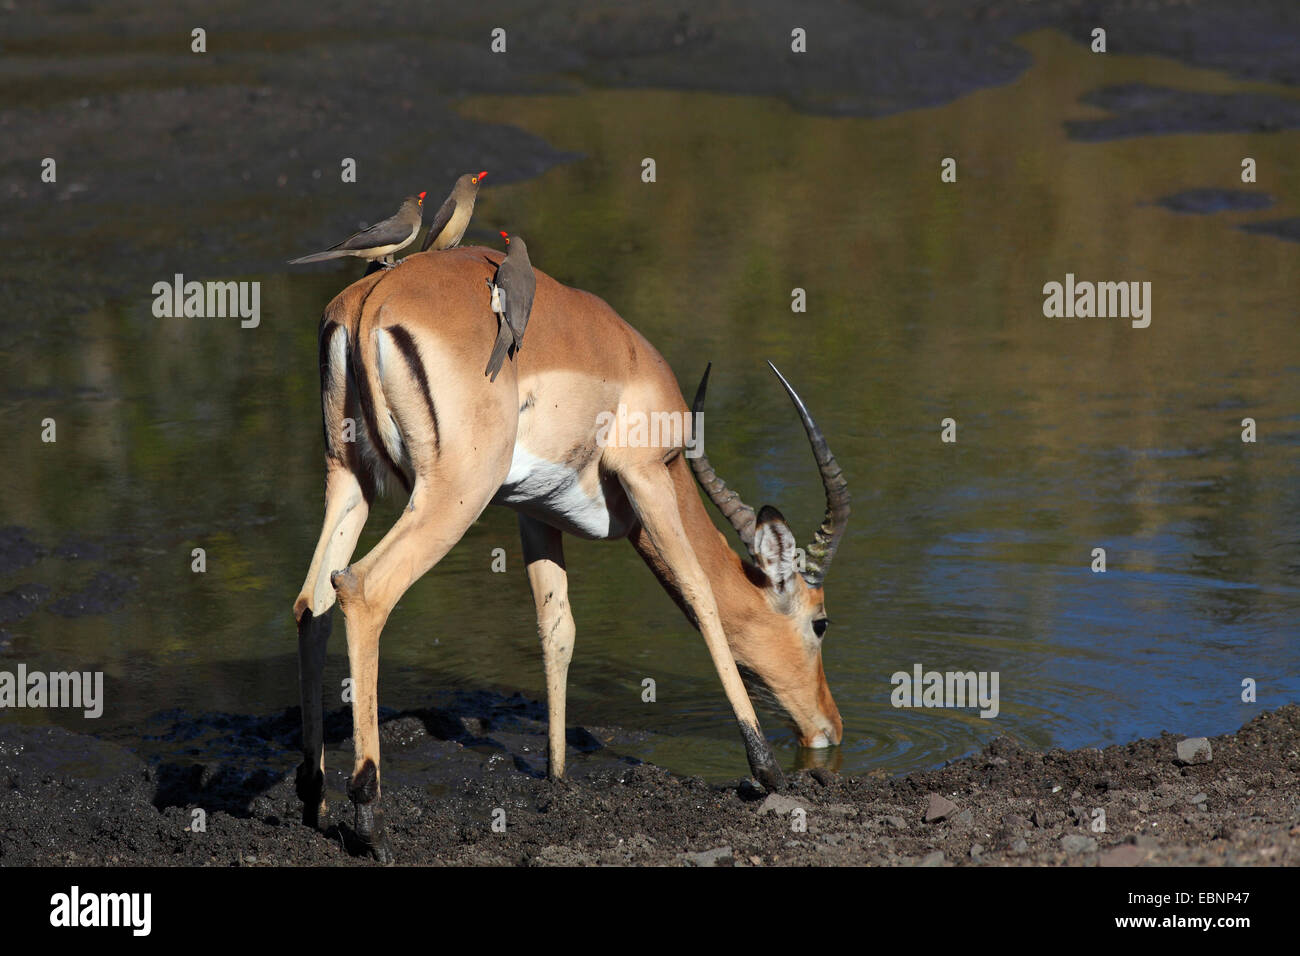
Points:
[[932, 859], [710, 857], [749, 791], [1018, 846], [1076, 843], [555, 855], [976, 851], [1199, 798], [897, 823], [1014, 821], [965, 819], [779, 804], [940, 808], [1194, 750], [1124, 855], [822, 775], [1043, 818]]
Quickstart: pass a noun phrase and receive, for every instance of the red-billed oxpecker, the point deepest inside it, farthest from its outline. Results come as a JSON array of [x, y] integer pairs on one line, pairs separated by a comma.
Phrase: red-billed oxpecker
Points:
[[453, 215], [380, 241], [512, 300]]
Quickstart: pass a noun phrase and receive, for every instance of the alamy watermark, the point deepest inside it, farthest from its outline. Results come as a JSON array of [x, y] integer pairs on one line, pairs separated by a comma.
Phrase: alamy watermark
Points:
[[958, 689], [1102, 300], [208, 300], [77, 909], [76, 690], [624, 429]]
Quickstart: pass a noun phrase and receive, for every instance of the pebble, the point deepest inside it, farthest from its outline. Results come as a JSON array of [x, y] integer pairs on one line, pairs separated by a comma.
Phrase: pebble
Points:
[[940, 808], [1075, 843], [709, 857], [779, 804], [1124, 855], [1194, 750], [822, 775]]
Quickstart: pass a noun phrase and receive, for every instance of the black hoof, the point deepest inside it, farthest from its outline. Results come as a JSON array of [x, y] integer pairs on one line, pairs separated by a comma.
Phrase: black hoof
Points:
[[762, 762], [369, 826], [381, 852], [772, 779], [310, 784], [368, 821]]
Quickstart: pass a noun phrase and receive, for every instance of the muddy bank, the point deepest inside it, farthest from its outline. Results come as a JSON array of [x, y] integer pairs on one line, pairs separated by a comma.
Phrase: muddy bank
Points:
[[1004, 806]]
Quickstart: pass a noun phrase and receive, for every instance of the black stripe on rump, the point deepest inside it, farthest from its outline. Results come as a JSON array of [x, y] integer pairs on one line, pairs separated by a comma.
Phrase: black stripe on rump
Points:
[[411, 352]]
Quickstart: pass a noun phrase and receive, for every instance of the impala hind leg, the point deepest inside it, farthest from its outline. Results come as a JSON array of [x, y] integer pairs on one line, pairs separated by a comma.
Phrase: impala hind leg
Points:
[[544, 555], [650, 488], [346, 507], [367, 592]]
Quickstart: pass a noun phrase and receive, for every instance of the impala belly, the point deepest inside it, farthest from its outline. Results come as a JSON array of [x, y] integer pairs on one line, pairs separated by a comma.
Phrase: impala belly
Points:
[[582, 502]]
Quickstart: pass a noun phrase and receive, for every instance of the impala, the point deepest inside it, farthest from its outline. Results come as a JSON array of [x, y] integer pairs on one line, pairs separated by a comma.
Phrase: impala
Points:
[[402, 355]]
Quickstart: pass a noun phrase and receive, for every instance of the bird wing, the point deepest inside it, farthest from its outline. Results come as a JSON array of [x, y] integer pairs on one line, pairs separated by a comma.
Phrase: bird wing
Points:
[[386, 233], [521, 285], [440, 221]]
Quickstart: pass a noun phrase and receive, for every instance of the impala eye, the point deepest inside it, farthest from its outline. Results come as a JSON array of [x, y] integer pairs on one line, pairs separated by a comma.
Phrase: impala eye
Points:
[[820, 625]]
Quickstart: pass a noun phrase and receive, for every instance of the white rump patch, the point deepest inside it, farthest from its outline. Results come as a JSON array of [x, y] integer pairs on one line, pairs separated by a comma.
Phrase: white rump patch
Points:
[[389, 433]]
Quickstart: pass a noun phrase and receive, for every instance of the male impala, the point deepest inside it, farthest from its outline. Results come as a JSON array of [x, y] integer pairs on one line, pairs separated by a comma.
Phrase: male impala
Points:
[[401, 354]]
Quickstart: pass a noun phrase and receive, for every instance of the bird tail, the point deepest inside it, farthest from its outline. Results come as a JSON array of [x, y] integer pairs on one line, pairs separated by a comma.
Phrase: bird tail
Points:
[[320, 257], [505, 339]]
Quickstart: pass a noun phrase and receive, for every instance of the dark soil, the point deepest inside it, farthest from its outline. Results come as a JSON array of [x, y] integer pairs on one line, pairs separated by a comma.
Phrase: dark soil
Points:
[[1005, 806]]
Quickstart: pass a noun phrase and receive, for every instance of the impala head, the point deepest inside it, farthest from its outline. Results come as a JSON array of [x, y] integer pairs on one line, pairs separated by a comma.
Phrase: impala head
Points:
[[779, 649]]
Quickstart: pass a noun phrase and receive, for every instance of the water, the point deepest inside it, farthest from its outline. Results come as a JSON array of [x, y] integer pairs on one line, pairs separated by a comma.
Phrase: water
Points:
[[924, 302]]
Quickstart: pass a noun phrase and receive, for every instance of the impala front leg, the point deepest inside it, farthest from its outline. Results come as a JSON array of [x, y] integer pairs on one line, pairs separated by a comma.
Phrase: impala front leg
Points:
[[544, 555], [650, 487]]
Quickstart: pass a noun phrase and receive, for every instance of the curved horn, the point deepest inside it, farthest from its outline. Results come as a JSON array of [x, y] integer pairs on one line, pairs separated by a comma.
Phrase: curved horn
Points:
[[822, 549], [736, 511]]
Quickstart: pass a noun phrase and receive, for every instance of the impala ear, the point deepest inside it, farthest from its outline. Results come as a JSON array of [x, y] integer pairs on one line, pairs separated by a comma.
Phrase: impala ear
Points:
[[773, 549]]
